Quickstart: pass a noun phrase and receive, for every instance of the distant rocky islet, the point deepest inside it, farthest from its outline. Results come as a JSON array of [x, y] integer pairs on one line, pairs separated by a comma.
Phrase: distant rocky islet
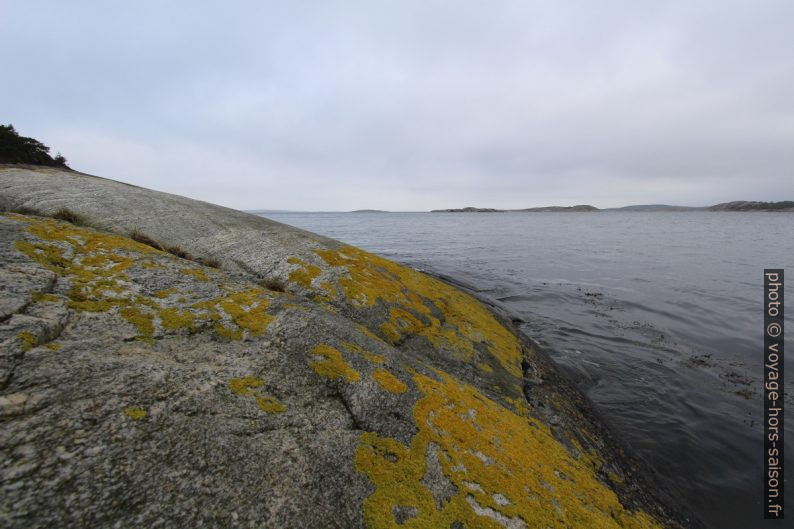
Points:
[[735, 206]]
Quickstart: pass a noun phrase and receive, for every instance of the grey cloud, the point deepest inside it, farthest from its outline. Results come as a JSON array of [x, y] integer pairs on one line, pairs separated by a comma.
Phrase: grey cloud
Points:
[[412, 105]]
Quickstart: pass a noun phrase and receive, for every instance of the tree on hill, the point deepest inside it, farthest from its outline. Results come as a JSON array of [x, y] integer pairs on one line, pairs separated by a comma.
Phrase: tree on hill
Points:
[[20, 149]]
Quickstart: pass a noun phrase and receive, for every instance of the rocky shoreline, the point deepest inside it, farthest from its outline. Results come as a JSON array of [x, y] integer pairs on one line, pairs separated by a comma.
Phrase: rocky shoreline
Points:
[[197, 365]]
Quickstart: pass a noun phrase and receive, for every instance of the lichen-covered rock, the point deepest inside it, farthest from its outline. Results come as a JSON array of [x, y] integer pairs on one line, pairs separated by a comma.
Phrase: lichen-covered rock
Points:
[[300, 383]]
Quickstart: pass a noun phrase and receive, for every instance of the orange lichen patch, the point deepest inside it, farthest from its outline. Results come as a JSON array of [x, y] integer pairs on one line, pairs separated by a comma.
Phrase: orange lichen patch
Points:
[[389, 382], [144, 321], [165, 293], [589, 457], [506, 470], [305, 273], [96, 279], [519, 406], [247, 310], [333, 366], [372, 358], [41, 297], [136, 413], [366, 332], [270, 404], [251, 386], [401, 324], [95, 265], [227, 332], [28, 340], [173, 319], [421, 305], [330, 290], [244, 385], [88, 241], [197, 273], [94, 262], [485, 367], [330, 309]]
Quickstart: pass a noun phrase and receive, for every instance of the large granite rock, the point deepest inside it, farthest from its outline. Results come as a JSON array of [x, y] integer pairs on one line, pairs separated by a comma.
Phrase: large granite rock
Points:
[[297, 382]]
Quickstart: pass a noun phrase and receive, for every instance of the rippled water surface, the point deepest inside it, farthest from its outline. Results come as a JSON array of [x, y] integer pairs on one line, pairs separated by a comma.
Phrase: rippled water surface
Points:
[[657, 316]]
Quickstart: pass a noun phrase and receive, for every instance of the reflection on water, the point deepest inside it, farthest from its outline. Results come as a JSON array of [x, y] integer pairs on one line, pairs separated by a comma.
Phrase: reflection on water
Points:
[[657, 316]]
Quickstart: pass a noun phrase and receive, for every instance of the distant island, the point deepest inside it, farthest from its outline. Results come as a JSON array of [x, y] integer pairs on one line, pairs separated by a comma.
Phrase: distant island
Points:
[[469, 210], [369, 211], [578, 208], [739, 206], [656, 207], [743, 205]]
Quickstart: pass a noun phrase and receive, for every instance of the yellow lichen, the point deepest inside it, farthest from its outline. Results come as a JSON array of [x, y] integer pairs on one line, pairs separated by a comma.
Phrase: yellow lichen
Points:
[[165, 293], [330, 309], [389, 382], [142, 320], [519, 406], [247, 310], [94, 263], [173, 319], [50, 256], [244, 385], [504, 468], [334, 365], [305, 273], [270, 404], [366, 332], [136, 413], [89, 259], [198, 273], [225, 332], [485, 367], [53, 346], [421, 305], [372, 358], [401, 324], [250, 386], [330, 290], [28, 340], [41, 297]]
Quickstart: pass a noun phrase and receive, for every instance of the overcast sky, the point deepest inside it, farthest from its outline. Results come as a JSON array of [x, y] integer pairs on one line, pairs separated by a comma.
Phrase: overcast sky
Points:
[[411, 105]]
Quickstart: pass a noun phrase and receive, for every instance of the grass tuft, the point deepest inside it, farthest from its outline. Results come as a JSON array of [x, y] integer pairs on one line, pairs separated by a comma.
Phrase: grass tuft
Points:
[[273, 284], [145, 239], [179, 252], [70, 216]]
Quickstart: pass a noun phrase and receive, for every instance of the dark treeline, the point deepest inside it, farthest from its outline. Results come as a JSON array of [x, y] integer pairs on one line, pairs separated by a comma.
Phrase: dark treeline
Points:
[[20, 149]]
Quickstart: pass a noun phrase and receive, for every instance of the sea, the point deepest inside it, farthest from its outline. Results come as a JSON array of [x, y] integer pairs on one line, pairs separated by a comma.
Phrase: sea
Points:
[[656, 316]]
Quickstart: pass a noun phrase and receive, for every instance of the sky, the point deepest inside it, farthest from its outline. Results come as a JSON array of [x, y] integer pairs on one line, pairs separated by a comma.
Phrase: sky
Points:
[[409, 105]]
